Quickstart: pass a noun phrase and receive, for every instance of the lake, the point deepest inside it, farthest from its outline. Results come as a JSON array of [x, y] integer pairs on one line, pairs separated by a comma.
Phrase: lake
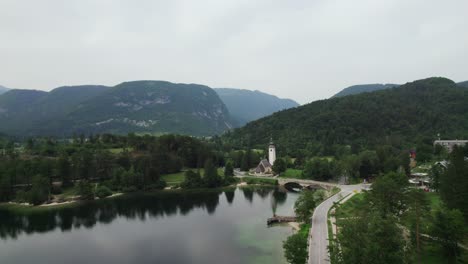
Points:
[[211, 226]]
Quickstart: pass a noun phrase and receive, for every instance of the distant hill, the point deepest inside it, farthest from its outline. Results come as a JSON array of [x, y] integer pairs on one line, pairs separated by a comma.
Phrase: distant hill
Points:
[[364, 88], [410, 114], [140, 106], [463, 84], [246, 105], [3, 89]]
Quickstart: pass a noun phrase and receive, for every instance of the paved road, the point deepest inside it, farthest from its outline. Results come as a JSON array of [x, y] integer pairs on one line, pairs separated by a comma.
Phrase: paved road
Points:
[[318, 238]]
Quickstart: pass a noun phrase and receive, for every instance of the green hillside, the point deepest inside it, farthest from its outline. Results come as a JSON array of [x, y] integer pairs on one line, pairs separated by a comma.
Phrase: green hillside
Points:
[[140, 106], [412, 113], [364, 88], [246, 105]]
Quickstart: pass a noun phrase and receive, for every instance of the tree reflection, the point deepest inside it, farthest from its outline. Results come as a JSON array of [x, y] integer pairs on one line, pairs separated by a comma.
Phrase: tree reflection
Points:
[[88, 214], [134, 206]]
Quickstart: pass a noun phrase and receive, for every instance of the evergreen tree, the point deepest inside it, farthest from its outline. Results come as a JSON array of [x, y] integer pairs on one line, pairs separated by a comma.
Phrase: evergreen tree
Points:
[[454, 182], [211, 177], [449, 229], [279, 166], [40, 190], [228, 170]]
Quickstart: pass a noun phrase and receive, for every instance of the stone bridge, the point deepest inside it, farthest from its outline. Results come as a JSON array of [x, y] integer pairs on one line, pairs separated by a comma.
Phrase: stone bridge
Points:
[[310, 184]]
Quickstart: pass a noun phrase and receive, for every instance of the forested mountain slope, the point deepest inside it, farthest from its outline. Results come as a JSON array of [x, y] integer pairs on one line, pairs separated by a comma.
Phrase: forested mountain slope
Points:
[[412, 113], [246, 105], [140, 106]]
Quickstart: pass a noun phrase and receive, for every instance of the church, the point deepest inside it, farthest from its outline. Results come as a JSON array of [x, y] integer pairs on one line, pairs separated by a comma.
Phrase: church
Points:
[[266, 165]]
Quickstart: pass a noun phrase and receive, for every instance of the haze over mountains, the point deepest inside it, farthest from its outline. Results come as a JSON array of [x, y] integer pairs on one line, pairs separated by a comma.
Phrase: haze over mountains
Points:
[[139, 106], [246, 105]]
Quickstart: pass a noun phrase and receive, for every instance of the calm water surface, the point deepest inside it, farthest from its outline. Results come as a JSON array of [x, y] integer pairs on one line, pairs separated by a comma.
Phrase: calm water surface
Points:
[[167, 227]]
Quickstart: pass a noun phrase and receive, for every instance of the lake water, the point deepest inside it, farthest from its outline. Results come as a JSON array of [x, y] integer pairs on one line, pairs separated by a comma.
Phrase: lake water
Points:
[[166, 227]]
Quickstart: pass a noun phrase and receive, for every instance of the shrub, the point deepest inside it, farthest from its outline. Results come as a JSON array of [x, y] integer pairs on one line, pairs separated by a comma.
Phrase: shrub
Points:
[[103, 191], [85, 190]]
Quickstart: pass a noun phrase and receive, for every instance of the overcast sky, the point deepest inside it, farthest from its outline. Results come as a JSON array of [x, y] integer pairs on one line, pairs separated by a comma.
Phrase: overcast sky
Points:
[[304, 50]]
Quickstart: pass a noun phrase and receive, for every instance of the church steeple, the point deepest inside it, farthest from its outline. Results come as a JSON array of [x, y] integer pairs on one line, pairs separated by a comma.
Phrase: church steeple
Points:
[[271, 152]]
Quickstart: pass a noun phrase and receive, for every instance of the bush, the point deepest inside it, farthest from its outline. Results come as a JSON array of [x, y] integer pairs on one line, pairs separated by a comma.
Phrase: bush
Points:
[[129, 189], [103, 191], [85, 190], [56, 190], [265, 181], [156, 186]]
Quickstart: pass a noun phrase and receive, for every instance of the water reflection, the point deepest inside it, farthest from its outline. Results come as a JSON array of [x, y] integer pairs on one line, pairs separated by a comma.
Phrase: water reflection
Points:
[[135, 206]]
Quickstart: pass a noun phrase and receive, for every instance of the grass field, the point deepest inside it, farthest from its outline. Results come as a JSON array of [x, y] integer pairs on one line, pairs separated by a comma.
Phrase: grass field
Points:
[[292, 173], [262, 181], [351, 207], [178, 177]]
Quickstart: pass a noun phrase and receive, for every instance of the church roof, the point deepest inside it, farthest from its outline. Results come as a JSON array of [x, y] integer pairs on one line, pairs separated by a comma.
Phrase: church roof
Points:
[[263, 166], [265, 163]]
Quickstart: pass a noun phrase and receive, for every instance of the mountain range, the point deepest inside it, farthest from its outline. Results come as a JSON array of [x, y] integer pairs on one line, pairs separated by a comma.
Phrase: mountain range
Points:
[[139, 106], [364, 88], [409, 115], [246, 105]]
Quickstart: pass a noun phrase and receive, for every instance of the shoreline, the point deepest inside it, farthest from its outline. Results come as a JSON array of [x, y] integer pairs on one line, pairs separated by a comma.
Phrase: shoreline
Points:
[[76, 201]]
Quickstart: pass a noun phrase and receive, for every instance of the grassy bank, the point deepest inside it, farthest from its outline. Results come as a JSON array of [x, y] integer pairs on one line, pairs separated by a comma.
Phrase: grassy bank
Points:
[[260, 181]]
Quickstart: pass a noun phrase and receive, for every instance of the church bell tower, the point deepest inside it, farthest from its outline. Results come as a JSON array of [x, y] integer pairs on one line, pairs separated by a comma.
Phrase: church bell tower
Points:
[[271, 152]]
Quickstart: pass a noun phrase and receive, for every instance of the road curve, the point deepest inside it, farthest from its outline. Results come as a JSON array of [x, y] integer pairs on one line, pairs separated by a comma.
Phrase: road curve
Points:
[[318, 237]]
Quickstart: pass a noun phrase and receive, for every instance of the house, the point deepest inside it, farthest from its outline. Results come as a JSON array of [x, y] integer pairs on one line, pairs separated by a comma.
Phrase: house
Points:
[[450, 144]]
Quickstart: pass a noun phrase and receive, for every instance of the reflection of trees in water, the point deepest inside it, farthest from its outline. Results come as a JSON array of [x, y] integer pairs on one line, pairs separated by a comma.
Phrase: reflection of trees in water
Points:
[[248, 194], [87, 214], [229, 196], [136, 206], [278, 197]]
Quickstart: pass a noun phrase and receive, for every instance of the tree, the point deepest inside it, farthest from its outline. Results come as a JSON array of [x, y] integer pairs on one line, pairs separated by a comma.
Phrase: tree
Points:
[[388, 194], [449, 228], [211, 177], [454, 182], [86, 190], [64, 170], [279, 166], [369, 239], [245, 163], [418, 206], [228, 170], [295, 249], [304, 206], [40, 190], [5, 187], [192, 180]]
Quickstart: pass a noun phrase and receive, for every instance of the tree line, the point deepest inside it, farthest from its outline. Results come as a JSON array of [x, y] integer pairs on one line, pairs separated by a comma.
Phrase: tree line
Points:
[[39, 167]]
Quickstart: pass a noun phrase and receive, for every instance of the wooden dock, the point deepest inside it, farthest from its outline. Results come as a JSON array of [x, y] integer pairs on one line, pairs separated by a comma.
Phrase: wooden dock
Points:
[[281, 219]]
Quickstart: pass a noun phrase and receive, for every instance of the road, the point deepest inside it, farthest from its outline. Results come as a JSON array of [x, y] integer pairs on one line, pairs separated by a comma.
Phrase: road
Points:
[[318, 238]]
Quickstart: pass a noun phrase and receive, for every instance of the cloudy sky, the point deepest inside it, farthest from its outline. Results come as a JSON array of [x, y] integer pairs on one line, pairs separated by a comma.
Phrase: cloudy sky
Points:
[[305, 50]]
